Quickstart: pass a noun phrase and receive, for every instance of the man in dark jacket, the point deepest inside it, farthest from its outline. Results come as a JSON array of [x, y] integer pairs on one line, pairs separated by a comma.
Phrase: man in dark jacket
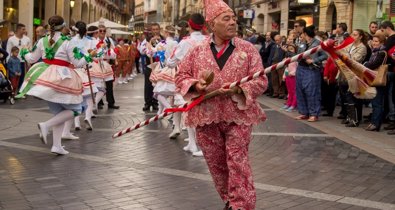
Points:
[[276, 56], [265, 53]]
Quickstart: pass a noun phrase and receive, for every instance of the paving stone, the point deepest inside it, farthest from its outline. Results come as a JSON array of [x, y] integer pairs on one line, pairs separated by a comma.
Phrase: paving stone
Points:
[[145, 170]]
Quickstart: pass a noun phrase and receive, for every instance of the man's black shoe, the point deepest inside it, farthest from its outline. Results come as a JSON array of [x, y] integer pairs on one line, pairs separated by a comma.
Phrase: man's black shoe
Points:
[[390, 127], [113, 107], [155, 107], [146, 108]]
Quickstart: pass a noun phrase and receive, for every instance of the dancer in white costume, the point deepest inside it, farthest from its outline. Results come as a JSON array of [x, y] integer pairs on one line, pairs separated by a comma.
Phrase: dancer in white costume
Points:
[[162, 74], [54, 81], [101, 70], [81, 44], [196, 24]]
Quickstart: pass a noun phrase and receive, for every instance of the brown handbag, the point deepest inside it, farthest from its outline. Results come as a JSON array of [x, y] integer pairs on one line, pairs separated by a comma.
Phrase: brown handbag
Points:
[[381, 77]]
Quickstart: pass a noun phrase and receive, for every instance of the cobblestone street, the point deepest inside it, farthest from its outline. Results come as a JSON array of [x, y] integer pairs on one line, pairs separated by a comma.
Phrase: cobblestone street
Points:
[[295, 165]]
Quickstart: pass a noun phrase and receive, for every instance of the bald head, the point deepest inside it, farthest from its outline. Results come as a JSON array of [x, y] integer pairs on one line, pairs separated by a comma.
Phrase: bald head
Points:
[[40, 32]]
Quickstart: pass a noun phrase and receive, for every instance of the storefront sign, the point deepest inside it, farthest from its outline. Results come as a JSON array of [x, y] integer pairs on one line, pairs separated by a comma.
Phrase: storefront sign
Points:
[[306, 1], [248, 13], [37, 21]]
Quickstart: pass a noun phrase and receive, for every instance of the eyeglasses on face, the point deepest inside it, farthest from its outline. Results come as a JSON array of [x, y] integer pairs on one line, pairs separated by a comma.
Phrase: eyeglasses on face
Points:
[[102, 31]]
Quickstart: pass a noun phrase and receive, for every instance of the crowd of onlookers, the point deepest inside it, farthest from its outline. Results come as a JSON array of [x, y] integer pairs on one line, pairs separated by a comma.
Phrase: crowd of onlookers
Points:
[[315, 84], [309, 86]]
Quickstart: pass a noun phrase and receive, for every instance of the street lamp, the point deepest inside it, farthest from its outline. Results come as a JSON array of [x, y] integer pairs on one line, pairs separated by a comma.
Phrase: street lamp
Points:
[[72, 2]]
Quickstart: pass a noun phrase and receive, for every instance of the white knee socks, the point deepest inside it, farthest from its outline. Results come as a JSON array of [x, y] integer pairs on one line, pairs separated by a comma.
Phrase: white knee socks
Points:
[[67, 127], [60, 118], [99, 96], [89, 109], [77, 123], [177, 121], [191, 147], [162, 100]]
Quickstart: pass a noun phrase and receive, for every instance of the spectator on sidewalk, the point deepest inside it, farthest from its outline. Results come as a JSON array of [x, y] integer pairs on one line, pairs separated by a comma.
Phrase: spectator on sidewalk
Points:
[[19, 40], [277, 55], [14, 69], [308, 78], [265, 53], [388, 29], [375, 61], [356, 51], [290, 81]]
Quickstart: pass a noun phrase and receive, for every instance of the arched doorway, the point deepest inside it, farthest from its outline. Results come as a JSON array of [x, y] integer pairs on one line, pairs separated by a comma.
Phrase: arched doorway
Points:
[[77, 10], [331, 17], [85, 12]]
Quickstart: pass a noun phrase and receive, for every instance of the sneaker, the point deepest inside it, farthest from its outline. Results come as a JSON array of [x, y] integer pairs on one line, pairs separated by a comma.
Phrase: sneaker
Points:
[[88, 124], [198, 154], [290, 109], [120, 82], [191, 148], [174, 134], [186, 148], [285, 107], [59, 151], [43, 132], [70, 137]]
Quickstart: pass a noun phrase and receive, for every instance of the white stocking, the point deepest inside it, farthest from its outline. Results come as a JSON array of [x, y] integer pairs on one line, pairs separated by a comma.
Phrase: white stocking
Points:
[[60, 118], [67, 127], [162, 100], [57, 135], [177, 121], [99, 96], [77, 122], [192, 139], [160, 109], [89, 109]]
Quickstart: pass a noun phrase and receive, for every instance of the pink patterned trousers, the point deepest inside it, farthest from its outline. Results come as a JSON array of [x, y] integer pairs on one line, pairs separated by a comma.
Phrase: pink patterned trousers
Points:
[[225, 148]]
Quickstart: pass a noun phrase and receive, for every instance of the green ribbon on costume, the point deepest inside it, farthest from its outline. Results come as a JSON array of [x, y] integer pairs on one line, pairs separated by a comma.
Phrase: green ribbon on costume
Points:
[[51, 51], [78, 55], [33, 74], [23, 52]]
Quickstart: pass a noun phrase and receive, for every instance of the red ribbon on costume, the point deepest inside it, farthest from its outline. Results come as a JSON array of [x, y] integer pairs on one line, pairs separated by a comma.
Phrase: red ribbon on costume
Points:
[[194, 25], [99, 44], [57, 62], [222, 51], [194, 103]]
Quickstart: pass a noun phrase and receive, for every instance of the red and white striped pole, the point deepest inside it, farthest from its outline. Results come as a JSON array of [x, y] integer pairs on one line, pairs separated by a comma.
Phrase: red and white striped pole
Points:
[[243, 80]]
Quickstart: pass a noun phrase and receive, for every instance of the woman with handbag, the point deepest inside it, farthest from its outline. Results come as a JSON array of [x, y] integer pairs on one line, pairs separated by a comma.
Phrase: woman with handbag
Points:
[[356, 51], [376, 61]]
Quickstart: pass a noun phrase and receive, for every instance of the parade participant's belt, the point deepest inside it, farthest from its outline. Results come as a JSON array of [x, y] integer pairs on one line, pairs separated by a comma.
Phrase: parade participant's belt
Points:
[[57, 62]]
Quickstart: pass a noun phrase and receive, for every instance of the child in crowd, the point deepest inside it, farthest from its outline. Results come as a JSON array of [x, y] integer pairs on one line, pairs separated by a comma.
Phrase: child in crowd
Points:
[[14, 68], [290, 80]]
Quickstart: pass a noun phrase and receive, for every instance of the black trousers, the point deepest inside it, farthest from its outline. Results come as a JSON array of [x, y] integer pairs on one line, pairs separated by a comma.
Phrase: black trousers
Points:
[[149, 89], [137, 62], [329, 92], [109, 94]]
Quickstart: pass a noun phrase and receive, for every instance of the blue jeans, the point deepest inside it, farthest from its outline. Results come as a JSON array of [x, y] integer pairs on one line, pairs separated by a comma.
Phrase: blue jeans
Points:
[[390, 86], [378, 107]]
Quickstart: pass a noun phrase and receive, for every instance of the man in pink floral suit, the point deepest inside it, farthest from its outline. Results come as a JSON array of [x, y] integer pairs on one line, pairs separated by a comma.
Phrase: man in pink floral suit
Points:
[[224, 123]]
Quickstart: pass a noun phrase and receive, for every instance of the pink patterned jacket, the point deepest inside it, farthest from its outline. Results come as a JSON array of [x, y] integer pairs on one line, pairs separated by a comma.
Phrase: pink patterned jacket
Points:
[[240, 108]]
